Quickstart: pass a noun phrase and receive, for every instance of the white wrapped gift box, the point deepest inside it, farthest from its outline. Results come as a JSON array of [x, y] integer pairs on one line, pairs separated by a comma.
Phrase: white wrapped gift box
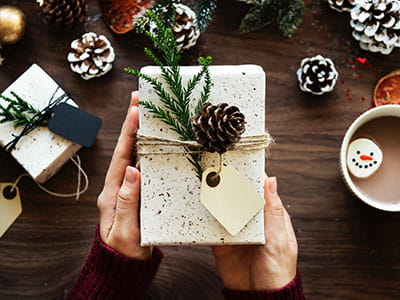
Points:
[[41, 152], [171, 212]]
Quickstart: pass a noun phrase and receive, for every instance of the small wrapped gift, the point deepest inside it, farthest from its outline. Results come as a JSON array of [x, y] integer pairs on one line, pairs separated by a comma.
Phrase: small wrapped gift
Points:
[[171, 210], [41, 152]]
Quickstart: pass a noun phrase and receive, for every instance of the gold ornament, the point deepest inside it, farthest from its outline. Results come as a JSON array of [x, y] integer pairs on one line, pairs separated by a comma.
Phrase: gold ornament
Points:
[[12, 24]]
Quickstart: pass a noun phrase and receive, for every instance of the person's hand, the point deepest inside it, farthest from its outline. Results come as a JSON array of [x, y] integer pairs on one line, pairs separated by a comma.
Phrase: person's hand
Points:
[[118, 202], [265, 267]]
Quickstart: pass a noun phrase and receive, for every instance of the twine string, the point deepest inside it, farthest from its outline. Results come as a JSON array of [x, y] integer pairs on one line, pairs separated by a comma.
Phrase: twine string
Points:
[[38, 119], [151, 145], [79, 191]]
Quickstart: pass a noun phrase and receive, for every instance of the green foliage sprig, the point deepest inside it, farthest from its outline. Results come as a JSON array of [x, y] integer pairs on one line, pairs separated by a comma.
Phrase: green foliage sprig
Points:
[[17, 111], [175, 111], [165, 11], [287, 13], [204, 11]]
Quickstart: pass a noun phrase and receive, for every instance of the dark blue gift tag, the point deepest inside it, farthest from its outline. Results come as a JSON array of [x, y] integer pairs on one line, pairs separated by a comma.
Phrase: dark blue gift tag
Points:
[[74, 124]]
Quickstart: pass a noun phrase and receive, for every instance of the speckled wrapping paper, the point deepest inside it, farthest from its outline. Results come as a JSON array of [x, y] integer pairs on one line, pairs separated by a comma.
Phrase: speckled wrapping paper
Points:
[[41, 152], [171, 212]]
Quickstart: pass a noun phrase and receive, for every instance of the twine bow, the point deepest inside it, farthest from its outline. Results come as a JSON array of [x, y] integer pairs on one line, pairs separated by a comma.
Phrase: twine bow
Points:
[[38, 119]]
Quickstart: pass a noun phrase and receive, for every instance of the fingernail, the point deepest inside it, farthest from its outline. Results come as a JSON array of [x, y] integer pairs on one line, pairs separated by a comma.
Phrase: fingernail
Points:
[[272, 185], [131, 175]]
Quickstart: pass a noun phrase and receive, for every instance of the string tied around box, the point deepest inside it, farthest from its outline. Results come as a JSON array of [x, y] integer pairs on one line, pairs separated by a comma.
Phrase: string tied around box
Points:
[[79, 190], [38, 119], [152, 145]]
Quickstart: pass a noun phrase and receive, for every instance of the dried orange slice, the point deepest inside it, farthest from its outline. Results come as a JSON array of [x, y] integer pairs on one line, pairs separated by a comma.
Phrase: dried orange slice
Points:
[[387, 90], [120, 15]]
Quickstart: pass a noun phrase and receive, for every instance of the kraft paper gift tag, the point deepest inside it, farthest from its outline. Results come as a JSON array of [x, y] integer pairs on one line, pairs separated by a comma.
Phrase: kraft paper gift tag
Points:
[[10, 205]]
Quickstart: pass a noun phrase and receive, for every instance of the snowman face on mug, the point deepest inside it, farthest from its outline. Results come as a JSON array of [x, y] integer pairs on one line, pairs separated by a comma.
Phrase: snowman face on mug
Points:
[[363, 158]]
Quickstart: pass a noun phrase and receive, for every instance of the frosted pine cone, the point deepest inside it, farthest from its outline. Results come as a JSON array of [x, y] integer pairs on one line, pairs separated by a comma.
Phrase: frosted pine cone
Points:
[[341, 5], [317, 75], [64, 13], [185, 28], [376, 25], [218, 127], [91, 55]]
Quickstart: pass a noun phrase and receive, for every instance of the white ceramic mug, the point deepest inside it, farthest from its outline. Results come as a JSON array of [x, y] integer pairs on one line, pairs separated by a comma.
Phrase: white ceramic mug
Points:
[[377, 112]]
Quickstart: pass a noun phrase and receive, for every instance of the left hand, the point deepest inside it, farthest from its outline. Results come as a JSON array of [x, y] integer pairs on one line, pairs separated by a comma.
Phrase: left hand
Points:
[[119, 200]]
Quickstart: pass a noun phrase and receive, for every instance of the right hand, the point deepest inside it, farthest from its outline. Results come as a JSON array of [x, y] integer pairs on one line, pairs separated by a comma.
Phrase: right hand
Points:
[[262, 267]]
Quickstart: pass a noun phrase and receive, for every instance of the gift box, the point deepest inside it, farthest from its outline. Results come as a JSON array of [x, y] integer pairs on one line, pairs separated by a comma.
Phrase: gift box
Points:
[[171, 211], [41, 152]]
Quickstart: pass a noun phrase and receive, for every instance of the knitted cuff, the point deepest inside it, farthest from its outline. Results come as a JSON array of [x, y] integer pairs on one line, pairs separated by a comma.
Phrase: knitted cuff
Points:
[[108, 274], [292, 291]]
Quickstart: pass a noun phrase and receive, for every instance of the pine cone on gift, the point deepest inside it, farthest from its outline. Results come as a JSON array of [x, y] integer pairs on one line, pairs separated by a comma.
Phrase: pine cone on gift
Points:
[[64, 13], [341, 5], [91, 55], [218, 127], [376, 25], [185, 28], [317, 75]]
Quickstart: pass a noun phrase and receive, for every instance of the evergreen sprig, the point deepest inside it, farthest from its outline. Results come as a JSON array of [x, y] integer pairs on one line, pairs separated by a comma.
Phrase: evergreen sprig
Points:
[[165, 11], [17, 111], [176, 111], [287, 13], [204, 11]]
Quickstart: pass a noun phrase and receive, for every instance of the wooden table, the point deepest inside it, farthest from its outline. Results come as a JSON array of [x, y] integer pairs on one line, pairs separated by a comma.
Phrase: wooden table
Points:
[[347, 250]]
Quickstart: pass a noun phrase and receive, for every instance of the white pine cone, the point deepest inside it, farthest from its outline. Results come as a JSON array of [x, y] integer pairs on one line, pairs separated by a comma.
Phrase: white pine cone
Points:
[[341, 5], [376, 25], [185, 28], [317, 75], [91, 55]]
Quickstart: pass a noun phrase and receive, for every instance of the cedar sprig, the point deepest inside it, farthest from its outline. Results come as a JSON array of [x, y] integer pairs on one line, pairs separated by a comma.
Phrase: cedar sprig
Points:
[[288, 14], [176, 111], [165, 11], [204, 11], [18, 111]]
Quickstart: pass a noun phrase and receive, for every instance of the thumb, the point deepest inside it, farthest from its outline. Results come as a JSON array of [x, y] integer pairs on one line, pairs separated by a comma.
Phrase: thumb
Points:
[[127, 208], [273, 209]]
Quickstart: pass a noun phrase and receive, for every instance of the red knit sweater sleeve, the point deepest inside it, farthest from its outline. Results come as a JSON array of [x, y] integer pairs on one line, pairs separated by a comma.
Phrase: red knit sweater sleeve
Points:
[[292, 291], [108, 274]]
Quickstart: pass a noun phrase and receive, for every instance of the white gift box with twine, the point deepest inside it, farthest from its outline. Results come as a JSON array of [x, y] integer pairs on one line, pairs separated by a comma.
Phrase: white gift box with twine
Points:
[[41, 152], [171, 212]]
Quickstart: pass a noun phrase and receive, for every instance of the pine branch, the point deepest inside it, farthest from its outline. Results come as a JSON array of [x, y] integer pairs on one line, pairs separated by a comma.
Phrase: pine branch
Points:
[[164, 115], [164, 10], [18, 111], [287, 13], [205, 94], [204, 10], [175, 111]]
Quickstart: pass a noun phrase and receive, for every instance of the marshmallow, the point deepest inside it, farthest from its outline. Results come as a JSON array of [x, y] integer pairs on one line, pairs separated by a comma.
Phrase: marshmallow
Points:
[[363, 157]]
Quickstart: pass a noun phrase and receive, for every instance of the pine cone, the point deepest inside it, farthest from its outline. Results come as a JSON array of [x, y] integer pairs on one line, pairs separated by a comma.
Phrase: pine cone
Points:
[[218, 127], [376, 25], [64, 13], [341, 5], [317, 75], [91, 55], [185, 28]]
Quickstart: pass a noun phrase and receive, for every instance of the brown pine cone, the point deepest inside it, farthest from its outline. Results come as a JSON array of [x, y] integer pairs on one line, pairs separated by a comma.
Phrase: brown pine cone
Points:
[[64, 13], [218, 127], [91, 55]]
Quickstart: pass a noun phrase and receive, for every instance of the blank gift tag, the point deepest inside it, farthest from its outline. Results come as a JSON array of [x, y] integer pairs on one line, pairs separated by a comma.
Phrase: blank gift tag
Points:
[[74, 124], [10, 206], [230, 198]]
